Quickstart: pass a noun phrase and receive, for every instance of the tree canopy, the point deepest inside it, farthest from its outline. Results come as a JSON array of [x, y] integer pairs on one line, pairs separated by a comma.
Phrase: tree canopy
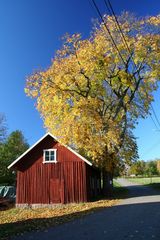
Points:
[[92, 95], [141, 168], [11, 149]]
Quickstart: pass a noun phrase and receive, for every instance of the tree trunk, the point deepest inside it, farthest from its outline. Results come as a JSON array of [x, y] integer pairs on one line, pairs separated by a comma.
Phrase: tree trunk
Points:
[[107, 183]]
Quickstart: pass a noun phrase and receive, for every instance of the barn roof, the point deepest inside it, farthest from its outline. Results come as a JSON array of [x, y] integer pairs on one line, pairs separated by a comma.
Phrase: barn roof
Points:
[[47, 134]]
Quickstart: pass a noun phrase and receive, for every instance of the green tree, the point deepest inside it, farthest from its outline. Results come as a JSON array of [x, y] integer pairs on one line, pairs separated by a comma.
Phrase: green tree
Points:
[[138, 168], [151, 168], [158, 165], [11, 149]]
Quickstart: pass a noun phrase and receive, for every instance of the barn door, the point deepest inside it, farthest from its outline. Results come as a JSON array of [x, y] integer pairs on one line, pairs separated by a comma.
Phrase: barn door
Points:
[[56, 191]]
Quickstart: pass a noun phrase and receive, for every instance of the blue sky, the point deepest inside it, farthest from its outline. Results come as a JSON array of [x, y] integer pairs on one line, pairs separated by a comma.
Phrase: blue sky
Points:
[[30, 33]]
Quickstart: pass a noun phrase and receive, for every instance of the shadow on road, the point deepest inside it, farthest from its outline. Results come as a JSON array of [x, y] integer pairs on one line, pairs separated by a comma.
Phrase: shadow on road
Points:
[[141, 191], [137, 190], [118, 222]]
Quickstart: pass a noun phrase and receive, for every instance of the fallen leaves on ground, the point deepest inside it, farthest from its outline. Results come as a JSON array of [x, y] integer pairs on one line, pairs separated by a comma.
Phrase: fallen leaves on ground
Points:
[[17, 221]]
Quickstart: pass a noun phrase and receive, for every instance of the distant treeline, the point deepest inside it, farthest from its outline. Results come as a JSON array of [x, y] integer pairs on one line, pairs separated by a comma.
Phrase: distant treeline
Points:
[[142, 168]]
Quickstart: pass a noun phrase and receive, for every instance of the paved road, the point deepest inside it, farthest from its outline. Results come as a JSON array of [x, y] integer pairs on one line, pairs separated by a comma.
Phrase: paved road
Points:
[[136, 218]]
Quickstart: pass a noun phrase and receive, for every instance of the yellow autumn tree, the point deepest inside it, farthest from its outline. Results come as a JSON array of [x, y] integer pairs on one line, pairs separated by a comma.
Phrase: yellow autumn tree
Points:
[[93, 93]]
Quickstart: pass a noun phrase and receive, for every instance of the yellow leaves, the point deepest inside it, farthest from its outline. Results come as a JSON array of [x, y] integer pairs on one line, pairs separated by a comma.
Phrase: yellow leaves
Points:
[[126, 99], [34, 93], [155, 20], [126, 78], [18, 221], [27, 91], [79, 94]]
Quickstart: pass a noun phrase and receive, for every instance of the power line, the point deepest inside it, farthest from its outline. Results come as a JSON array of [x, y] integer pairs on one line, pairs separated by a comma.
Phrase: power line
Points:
[[154, 122], [109, 6], [100, 15], [151, 148], [124, 42], [112, 12], [155, 115]]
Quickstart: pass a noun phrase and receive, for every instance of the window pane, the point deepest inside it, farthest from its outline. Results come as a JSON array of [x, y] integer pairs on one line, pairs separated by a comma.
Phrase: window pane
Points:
[[46, 158], [47, 153], [52, 153], [52, 156]]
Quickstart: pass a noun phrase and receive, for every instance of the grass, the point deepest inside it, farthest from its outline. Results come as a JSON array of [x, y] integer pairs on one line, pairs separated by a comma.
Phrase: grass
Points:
[[145, 180], [116, 184], [119, 191]]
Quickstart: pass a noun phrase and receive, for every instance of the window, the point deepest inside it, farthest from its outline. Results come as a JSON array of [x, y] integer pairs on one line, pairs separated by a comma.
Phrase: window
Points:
[[50, 155]]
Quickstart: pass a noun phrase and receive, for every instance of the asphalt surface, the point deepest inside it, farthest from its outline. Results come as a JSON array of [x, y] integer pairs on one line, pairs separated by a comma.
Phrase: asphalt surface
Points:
[[137, 217]]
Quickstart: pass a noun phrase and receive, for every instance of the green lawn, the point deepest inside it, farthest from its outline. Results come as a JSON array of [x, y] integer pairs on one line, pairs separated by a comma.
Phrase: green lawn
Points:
[[118, 190], [145, 181], [116, 184]]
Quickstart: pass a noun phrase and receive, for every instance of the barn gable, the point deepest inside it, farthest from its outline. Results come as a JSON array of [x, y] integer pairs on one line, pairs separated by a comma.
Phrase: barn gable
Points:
[[40, 141]]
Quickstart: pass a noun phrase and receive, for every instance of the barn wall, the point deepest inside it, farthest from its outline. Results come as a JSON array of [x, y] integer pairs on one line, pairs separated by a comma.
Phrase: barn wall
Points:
[[93, 179], [34, 177]]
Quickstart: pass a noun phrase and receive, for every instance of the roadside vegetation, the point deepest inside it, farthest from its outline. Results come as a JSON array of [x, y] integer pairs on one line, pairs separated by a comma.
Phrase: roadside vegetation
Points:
[[148, 181], [145, 173], [119, 191], [145, 169], [145, 180]]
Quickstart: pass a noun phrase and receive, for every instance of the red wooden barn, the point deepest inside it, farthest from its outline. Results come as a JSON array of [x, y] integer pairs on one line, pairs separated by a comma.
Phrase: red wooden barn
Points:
[[49, 172]]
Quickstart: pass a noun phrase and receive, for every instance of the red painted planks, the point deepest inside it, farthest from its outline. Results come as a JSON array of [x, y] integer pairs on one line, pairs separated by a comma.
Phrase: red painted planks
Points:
[[39, 182]]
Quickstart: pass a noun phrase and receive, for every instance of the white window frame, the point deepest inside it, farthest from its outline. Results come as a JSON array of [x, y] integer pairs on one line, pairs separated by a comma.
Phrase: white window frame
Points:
[[55, 154]]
